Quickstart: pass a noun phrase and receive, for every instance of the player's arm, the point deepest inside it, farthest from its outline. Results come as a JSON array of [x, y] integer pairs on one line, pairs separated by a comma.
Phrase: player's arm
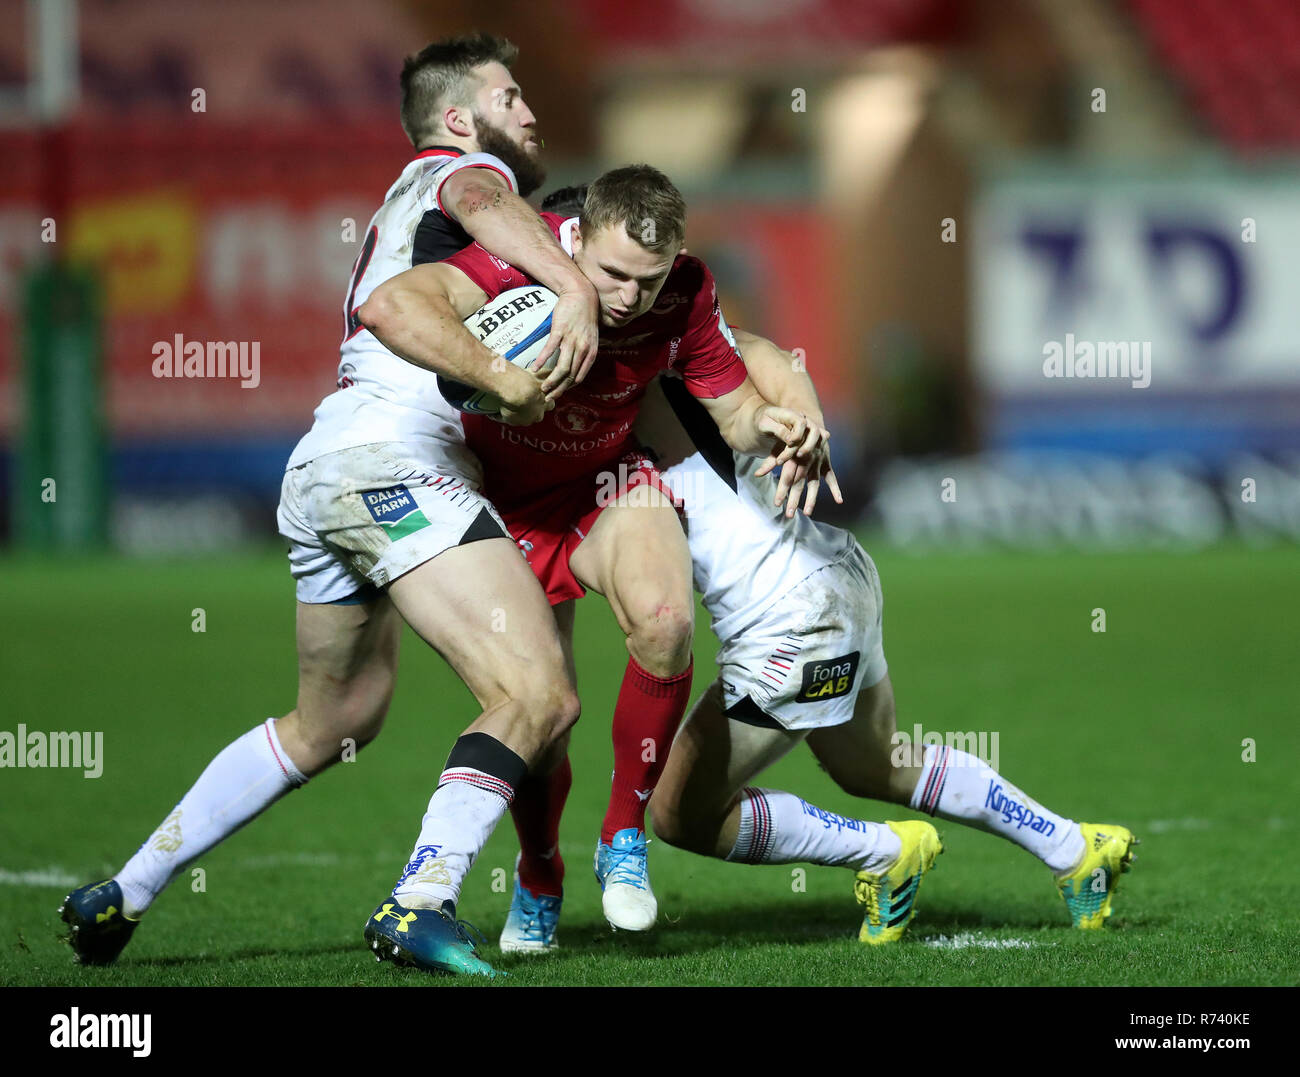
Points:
[[781, 378], [778, 374], [481, 201], [711, 366], [750, 424], [419, 315]]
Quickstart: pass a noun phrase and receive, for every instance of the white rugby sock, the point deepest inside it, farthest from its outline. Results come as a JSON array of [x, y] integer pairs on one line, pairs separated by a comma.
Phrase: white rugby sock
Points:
[[473, 793], [780, 828], [245, 778], [962, 787]]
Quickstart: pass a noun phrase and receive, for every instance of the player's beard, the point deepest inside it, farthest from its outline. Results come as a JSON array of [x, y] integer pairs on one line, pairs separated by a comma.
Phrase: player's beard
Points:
[[529, 170]]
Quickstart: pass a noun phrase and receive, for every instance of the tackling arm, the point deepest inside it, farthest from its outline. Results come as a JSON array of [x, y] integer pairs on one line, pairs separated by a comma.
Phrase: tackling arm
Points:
[[419, 315], [779, 376], [501, 222], [748, 423]]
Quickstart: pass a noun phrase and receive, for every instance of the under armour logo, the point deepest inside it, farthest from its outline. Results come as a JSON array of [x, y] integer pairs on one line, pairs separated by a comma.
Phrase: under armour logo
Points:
[[402, 921], [100, 917], [643, 794]]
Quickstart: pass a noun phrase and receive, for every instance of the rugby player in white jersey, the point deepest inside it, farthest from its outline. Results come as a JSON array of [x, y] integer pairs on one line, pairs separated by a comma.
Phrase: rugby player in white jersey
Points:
[[381, 509], [797, 607]]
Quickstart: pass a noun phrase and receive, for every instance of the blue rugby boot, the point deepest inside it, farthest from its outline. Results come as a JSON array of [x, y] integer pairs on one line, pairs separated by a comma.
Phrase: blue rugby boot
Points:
[[532, 923], [98, 929], [429, 939]]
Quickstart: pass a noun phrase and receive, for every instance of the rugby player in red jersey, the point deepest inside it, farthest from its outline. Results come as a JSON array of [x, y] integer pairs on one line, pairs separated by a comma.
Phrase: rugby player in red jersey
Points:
[[566, 485]]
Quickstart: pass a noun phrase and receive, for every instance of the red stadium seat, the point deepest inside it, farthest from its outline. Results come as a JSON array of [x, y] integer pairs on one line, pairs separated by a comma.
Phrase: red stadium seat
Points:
[[1238, 64]]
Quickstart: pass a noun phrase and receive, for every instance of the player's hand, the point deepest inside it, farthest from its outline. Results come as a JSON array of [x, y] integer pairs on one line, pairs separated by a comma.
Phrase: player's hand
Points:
[[788, 427], [522, 400], [800, 480], [804, 457], [805, 468], [574, 335]]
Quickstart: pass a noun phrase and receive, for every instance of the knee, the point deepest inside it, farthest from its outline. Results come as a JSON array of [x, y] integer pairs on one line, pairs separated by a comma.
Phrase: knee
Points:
[[361, 713], [661, 636], [564, 710], [367, 727], [692, 832], [860, 785], [552, 707]]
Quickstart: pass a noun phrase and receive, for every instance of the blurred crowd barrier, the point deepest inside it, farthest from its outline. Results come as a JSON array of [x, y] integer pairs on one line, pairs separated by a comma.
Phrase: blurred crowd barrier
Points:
[[1133, 342]]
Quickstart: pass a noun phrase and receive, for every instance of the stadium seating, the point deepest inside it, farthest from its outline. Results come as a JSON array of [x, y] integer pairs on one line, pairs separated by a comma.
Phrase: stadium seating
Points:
[[1238, 63]]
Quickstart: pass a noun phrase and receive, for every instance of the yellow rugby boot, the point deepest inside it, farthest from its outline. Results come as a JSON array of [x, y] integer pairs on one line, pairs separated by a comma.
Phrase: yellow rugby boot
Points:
[[1087, 889], [890, 896]]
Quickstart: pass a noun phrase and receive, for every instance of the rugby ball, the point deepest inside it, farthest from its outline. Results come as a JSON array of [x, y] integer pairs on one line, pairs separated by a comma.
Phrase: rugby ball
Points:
[[515, 325]]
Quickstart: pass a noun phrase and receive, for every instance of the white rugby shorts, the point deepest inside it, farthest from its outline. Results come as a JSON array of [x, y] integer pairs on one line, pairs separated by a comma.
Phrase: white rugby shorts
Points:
[[801, 665], [367, 515]]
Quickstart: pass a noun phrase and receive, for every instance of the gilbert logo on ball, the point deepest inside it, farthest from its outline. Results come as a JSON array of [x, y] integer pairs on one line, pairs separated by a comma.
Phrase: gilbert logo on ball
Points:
[[515, 325]]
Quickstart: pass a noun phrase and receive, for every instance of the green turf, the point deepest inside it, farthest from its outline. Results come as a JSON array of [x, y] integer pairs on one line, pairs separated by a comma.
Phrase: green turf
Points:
[[1141, 725]]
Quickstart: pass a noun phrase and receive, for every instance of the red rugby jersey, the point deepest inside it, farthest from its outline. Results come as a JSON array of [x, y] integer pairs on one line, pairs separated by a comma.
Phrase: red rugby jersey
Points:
[[591, 426]]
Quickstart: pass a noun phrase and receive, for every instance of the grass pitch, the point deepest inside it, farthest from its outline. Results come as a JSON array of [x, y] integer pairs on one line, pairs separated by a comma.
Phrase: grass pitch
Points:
[[1142, 725]]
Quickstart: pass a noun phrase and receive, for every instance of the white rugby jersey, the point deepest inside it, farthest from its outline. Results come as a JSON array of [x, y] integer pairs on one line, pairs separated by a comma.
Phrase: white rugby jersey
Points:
[[745, 554], [380, 396]]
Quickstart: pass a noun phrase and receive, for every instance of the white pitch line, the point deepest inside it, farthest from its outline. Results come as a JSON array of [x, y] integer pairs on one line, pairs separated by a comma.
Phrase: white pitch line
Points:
[[55, 877], [58, 876], [1163, 826], [967, 940]]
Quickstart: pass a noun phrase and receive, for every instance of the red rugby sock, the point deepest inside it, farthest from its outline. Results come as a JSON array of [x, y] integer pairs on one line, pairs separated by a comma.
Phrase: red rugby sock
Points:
[[646, 717], [536, 809]]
